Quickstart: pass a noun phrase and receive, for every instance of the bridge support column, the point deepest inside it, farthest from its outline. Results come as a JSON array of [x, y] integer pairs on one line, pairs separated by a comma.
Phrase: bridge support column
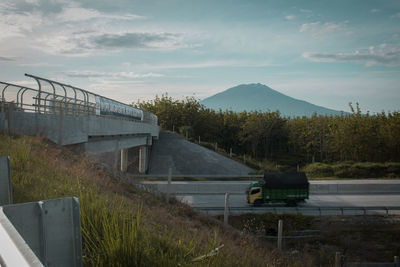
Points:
[[143, 159], [124, 160]]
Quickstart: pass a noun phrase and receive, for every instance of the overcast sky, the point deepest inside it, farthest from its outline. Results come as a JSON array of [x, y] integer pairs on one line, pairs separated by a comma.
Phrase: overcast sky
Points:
[[328, 53]]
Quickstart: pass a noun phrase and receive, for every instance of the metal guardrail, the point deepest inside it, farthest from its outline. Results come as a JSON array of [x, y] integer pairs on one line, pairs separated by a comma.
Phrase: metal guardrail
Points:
[[49, 229], [54, 97], [14, 251], [250, 177], [320, 211], [6, 193]]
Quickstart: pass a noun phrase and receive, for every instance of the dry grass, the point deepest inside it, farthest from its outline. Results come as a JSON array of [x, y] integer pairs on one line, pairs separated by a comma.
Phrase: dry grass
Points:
[[121, 225], [359, 238], [124, 226]]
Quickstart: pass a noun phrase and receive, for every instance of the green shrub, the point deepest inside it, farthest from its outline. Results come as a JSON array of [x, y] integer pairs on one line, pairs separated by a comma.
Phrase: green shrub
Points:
[[353, 170], [319, 170]]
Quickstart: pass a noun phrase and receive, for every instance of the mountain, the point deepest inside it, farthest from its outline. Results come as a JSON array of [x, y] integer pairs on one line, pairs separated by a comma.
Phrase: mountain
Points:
[[259, 97]]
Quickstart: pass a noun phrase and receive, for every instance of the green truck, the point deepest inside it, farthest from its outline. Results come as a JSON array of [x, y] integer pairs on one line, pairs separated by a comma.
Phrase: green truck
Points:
[[288, 188]]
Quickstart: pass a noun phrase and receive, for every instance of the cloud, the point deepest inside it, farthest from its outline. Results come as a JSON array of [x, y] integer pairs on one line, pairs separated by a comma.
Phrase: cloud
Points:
[[397, 15], [383, 55], [375, 10], [14, 23], [305, 10], [68, 28], [6, 59], [74, 13], [113, 75], [290, 17], [88, 42], [211, 64], [150, 40], [317, 29]]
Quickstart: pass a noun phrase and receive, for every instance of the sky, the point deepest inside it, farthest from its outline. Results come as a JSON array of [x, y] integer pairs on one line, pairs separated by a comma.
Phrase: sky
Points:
[[328, 53]]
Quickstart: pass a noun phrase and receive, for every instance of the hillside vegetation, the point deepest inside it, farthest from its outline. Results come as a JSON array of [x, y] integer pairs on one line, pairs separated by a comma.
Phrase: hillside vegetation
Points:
[[121, 225], [269, 138]]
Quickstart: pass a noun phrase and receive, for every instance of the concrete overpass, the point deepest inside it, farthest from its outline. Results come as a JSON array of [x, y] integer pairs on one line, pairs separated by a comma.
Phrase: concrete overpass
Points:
[[68, 115]]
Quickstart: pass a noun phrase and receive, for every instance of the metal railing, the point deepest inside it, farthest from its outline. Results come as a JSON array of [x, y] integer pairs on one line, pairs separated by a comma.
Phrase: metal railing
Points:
[[54, 97]]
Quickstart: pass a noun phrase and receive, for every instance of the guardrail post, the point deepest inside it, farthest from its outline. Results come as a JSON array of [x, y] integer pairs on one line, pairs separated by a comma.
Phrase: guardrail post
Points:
[[337, 259], [6, 196], [280, 228], [230, 153], [226, 210], [396, 261], [169, 183]]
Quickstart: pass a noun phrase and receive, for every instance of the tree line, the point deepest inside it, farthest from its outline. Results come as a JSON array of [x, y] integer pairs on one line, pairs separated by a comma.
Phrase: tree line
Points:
[[270, 136]]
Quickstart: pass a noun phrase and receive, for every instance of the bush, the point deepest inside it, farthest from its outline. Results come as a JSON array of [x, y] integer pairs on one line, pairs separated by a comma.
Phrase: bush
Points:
[[353, 170], [319, 170]]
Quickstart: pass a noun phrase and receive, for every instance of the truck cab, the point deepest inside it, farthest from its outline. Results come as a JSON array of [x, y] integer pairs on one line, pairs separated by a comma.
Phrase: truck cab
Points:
[[255, 195]]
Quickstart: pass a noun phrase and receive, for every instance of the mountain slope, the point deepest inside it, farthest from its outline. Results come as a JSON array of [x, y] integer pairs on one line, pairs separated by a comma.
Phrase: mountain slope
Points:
[[259, 97]]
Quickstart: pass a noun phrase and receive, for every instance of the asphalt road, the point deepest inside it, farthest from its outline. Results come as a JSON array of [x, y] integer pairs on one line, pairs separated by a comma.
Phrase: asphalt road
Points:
[[334, 196]]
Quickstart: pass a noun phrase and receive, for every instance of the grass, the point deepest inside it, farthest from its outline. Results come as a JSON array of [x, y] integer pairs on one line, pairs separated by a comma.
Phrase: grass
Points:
[[121, 225], [359, 238]]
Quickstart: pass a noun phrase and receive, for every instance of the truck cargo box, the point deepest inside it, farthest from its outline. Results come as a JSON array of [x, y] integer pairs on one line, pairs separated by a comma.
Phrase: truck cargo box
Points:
[[294, 180]]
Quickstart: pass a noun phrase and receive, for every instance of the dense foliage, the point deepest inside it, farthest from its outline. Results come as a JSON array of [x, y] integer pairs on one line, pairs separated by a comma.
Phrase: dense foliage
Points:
[[268, 135]]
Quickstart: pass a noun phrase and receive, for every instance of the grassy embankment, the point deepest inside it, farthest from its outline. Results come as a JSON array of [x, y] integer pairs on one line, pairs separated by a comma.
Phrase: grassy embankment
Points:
[[359, 238], [121, 225]]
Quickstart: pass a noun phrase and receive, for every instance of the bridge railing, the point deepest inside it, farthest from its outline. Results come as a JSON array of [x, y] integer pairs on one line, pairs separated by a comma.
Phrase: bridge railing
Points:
[[54, 97]]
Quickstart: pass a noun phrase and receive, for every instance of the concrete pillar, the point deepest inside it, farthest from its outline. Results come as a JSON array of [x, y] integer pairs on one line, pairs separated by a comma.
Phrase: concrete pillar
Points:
[[116, 150], [124, 160], [143, 159]]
